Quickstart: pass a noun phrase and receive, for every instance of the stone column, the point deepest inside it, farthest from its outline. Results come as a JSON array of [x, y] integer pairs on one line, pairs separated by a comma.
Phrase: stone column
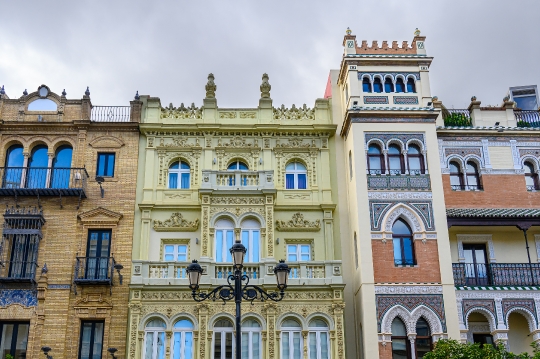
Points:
[[405, 161], [385, 154], [269, 210], [412, 339], [49, 167], [205, 222], [203, 333]]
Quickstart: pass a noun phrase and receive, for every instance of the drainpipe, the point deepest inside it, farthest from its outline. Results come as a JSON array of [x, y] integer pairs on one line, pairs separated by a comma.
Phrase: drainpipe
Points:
[[529, 255]]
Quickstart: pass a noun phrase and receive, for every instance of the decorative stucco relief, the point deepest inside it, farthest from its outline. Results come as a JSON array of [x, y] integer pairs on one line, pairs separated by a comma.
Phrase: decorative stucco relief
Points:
[[176, 223], [298, 224], [294, 113]]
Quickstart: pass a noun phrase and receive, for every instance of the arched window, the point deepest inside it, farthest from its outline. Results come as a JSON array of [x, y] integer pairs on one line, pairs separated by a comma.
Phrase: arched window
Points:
[[403, 243], [37, 171], [375, 160], [42, 104], [456, 177], [366, 85], [423, 338], [395, 160], [388, 85], [291, 339], [182, 340], [416, 160], [400, 347], [237, 166], [251, 339], [61, 167], [531, 177], [223, 339], [318, 340], [14, 164], [179, 169], [400, 86], [154, 339], [473, 177], [295, 176], [411, 86], [377, 85], [251, 238], [224, 240]]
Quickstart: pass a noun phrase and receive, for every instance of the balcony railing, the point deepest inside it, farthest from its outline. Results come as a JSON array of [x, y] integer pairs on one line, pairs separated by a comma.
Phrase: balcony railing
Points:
[[399, 182], [94, 270], [527, 118], [237, 180], [457, 117], [467, 187], [45, 181], [110, 114], [496, 274], [174, 273], [18, 271]]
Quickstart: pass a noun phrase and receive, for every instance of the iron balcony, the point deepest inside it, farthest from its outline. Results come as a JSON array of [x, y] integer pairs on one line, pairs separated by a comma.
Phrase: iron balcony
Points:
[[496, 274], [43, 181]]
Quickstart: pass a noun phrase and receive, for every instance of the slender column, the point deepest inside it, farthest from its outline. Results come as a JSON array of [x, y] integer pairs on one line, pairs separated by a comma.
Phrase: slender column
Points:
[[425, 162], [23, 172], [49, 168], [412, 338], [406, 162], [386, 164]]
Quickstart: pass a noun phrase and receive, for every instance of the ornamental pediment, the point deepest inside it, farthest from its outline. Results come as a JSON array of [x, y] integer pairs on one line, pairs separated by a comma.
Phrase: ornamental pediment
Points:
[[100, 215], [298, 224], [106, 142], [176, 223]]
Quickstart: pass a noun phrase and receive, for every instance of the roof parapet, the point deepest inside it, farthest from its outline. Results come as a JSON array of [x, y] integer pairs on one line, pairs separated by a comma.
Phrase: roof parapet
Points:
[[351, 46]]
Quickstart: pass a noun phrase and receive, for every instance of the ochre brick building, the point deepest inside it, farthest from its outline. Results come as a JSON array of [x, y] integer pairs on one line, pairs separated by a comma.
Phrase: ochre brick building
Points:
[[65, 243]]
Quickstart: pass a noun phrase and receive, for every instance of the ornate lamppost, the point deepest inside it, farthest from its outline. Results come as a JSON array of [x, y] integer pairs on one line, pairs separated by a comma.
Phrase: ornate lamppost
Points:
[[235, 289]]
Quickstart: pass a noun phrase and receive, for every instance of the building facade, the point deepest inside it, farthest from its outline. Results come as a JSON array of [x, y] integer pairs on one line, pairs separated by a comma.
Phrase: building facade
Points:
[[209, 176], [65, 243]]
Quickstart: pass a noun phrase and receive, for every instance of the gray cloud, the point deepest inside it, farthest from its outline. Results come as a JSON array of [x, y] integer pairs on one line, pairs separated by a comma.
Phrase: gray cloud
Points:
[[167, 48]]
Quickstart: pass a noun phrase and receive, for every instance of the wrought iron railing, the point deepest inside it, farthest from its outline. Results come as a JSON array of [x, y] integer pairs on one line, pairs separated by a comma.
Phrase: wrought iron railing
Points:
[[17, 271], [399, 182], [94, 270], [496, 274], [457, 117], [467, 187], [47, 180], [527, 118], [111, 114]]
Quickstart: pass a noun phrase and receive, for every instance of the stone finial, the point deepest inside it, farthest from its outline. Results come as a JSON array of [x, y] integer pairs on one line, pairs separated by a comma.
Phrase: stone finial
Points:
[[506, 98], [137, 97], [2, 91], [64, 93], [473, 98], [265, 86], [87, 92], [435, 99], [25, 93], [210, 87], [348, 31], [416, 32]]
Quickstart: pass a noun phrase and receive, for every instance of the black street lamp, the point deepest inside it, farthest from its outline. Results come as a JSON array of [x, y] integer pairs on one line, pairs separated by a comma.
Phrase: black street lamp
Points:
[[237, 291]]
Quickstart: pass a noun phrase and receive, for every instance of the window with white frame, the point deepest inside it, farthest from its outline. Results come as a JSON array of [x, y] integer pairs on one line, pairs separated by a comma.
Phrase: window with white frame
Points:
[[318, 340], [179, 173], [291, 339], [251, 238], [154, 339], [251, 339], [224, 237], [298, 252], [295, 176], [182, 340], [223, 339], [175, 252]]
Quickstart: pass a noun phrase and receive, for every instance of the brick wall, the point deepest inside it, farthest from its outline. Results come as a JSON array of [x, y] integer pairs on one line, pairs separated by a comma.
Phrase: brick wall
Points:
[[427, 269]]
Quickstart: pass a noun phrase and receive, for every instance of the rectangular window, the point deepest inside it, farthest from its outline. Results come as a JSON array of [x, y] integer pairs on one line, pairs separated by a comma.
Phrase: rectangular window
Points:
[[175, 252], [298, 252], [91, 342], [14, 339], [97, 253], [105, 165]]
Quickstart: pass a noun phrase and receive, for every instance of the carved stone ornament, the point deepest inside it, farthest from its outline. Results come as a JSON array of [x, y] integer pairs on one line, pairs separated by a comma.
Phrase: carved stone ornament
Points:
[[295, 142], [294, 113], [210, 87], [265, 87], [182, 112], [176, 223], [298, 224]]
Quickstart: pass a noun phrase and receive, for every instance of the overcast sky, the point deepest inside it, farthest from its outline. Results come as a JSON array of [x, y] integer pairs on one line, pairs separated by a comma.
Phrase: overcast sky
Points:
[[167, 48]]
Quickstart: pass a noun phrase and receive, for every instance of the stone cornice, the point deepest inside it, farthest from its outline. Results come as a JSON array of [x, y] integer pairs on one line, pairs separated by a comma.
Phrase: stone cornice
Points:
[[254, 129]]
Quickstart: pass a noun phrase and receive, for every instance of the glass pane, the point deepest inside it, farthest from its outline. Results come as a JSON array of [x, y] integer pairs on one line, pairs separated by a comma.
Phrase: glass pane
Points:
[[101, 165], [182, 257], [399, 348], [245, 345], [312, 345], [290, 167], [148, 345], [471, 167], [400, 227], [529, 181], [422, 347], [183, 323], [422, 328], [245, 242], [374, 163], [289, 181], [22, 341], [255, 250], [228, 346], [85, 340], [454, 168], [302, 181], [304, 248], [185, 166], [7, 334], [297, 346], [256, 345], [398, 328], [93, 244], [397, 251], [156, 323], [472, 180], [455, 180], [98, 341], [290, 323], [394, 163], [15, 156], [110, 165], [217, 345], [174, 166], [242, 166], [292, 257], [173, 180], [177, 345], [394, 150], [188, 345], [185, 180], [161, 345], [169, 248], [324, 345], [408, 250], [285, 345], [219, 246], [374, 150], [105, 244], [318, 323], [230, 239], [414, 164], [480, 255]]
